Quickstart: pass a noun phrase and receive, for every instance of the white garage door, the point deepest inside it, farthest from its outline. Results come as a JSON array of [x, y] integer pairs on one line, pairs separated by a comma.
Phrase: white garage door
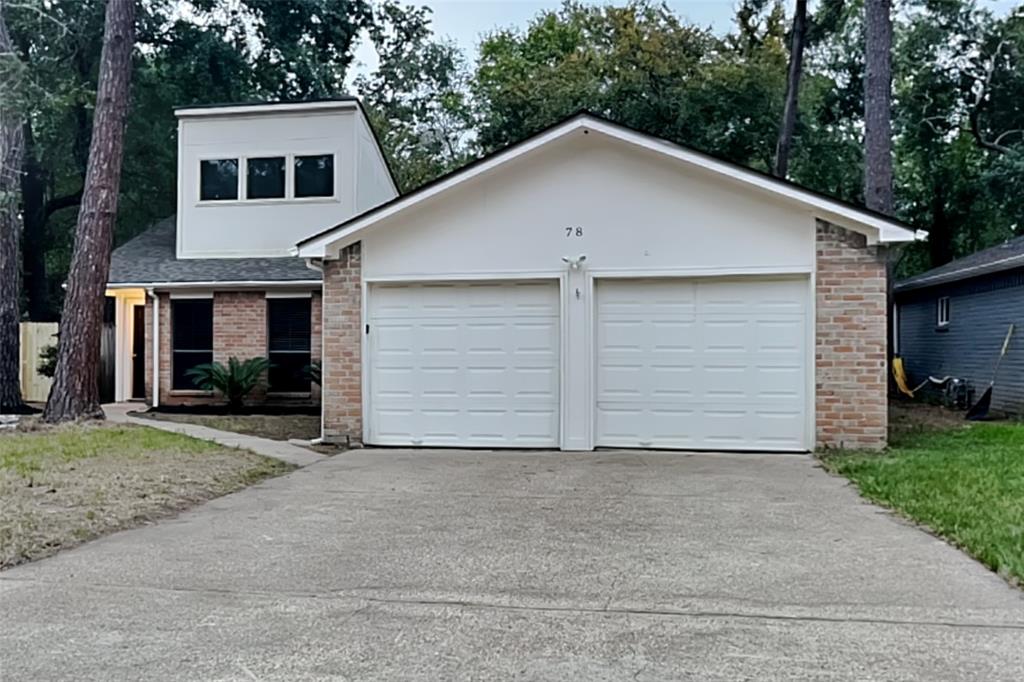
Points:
[[464, 364], [702, 364]]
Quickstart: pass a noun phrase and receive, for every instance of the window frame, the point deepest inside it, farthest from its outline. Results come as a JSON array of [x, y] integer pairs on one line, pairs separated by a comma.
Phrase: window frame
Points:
[[334, 176], [243, 179], [943, 312], [192, 388], [239, 185], [284, 180], [271, 301]]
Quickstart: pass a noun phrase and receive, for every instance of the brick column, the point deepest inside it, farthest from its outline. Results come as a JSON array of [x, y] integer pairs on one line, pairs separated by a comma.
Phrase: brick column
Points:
[[342, 397], [240, 331], [850, 373]]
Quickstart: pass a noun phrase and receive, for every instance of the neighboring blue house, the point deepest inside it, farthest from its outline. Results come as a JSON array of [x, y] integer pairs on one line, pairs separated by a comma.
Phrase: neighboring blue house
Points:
[[952, 320]]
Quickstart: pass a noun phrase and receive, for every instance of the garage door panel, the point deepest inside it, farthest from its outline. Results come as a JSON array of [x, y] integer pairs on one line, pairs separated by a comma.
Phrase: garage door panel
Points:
[[469, 364], [727, 372]]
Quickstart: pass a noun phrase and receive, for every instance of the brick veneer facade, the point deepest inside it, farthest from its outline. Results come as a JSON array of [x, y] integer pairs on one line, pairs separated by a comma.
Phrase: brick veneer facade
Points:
[[342, 347], [851, 346], [239, 330]]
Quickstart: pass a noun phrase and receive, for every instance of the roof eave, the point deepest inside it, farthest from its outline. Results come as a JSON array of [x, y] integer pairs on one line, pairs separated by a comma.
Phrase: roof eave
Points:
[[877, 228]]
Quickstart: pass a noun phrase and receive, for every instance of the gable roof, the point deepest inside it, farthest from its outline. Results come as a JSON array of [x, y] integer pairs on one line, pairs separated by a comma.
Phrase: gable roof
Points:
[[877, 227], [1006, 256], [150, 260]]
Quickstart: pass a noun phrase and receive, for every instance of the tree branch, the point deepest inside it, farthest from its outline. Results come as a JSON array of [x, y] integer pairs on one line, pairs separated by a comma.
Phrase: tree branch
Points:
[[58, 203]]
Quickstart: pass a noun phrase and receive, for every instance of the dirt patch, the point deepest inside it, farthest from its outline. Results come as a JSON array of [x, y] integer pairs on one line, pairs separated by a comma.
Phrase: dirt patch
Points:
[[909, 419], [272, 426], [61, 486]]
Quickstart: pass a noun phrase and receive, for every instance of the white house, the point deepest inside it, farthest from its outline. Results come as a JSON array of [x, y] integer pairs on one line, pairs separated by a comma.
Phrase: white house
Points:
[[591, 286]]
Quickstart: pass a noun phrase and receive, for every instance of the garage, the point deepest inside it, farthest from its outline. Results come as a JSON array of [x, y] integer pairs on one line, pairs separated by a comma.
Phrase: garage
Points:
[[597, 287], [469, 364], [702, 364]]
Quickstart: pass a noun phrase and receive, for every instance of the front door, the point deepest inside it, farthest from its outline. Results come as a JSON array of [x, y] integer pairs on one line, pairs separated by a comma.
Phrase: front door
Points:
[[139, 351]]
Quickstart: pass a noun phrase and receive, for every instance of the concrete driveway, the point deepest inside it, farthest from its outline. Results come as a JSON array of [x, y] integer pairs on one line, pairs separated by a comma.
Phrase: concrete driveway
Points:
[[437, 565]]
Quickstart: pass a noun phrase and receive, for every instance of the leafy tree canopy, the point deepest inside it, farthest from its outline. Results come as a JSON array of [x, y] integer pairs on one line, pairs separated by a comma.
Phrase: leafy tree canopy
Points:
[[957, 111]]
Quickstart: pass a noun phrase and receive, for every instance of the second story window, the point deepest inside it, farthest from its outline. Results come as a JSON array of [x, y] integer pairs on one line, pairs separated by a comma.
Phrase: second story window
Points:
[[265, 177], [314, 176], [218, 179]]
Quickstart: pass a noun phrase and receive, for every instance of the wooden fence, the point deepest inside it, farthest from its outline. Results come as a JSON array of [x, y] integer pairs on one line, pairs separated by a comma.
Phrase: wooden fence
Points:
[[34, 337]]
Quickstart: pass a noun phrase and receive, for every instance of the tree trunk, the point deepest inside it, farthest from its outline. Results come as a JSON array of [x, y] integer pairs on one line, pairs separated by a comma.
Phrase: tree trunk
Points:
[[75, 392], [796, 67], [878, 106], [11, 148]]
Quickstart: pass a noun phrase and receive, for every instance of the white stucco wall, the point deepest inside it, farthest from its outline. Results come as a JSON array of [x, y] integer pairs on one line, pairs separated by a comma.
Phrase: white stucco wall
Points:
[[638, 212], [270, 227]]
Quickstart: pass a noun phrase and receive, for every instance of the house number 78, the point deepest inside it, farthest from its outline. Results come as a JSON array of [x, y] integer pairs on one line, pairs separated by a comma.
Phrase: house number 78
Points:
[[573, 232]]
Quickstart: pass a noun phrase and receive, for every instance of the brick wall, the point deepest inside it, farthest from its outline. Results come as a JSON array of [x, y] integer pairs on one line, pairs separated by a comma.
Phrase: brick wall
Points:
[[850, 376], [342, 389], [239, 330]]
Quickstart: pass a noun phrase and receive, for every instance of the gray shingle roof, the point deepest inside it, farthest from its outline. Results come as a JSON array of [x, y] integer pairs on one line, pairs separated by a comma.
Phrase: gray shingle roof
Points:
[[1006, 256], [150, 259]]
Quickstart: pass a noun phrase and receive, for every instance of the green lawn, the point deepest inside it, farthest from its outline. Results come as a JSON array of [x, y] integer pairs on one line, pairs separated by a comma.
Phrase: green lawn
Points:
[[964, 482], [60, 486]]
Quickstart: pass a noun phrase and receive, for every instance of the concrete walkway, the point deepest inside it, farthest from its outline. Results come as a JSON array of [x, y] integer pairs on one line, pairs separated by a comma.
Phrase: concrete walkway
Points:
[[449, 565], [286, 452]]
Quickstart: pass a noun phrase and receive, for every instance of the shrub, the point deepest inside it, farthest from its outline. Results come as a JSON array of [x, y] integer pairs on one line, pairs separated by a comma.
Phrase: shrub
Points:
[[234, 382], [47, 366], [314, 371]]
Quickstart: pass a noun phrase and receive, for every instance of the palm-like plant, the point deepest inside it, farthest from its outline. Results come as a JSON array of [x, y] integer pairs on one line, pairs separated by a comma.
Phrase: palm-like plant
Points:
[[234, 382], [314, 371]]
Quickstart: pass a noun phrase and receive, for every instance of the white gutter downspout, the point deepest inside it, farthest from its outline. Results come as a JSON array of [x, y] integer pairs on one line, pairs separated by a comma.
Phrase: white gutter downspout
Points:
[[317, 265], [156, 347]]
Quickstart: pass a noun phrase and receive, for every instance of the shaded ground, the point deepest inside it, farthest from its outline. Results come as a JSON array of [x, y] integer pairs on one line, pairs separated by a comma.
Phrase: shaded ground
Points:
[[447, 565], [272, 426], [962, 480], [60, 486], [909, 418]]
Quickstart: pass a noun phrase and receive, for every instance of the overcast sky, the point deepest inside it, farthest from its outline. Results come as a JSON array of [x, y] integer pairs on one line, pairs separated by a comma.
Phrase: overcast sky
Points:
[[464, 21]]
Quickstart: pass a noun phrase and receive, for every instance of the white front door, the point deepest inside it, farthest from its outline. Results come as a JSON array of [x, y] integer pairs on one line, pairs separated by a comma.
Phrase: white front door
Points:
[[464, 364], [703, 364]]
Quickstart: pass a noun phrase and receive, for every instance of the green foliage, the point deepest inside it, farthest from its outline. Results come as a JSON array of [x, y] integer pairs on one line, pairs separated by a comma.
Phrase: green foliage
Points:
[[958, 84], [966, 484], [234, 382], [417, 97], [47, 366], [314, 371]]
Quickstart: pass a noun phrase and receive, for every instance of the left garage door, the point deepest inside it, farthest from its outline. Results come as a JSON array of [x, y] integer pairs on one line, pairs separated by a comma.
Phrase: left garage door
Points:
[[464, 365]]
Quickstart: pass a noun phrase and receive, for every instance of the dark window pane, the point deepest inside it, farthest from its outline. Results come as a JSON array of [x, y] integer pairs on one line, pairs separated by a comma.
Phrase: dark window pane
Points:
[[192, 324], [191, 338], [182, 362], [265, 178], [314, 176], [218, 179], [288, 324], [287, 373]]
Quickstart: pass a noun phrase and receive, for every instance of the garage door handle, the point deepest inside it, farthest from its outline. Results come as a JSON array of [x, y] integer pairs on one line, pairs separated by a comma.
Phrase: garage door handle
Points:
[[645, 443]]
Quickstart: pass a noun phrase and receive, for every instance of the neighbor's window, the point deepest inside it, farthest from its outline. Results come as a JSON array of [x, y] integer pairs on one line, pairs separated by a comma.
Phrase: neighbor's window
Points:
[[218, 179], [943, 311], [191, 338], [314, 176], [265, 178], [288, 337]]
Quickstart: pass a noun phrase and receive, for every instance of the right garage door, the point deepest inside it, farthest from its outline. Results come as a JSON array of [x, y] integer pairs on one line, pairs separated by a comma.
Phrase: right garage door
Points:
[[702, 364]]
